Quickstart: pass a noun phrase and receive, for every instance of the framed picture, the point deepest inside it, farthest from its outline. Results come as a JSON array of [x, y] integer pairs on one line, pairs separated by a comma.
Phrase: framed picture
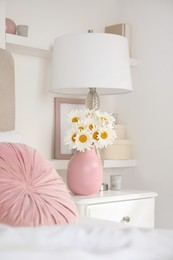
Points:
[[63, 106]]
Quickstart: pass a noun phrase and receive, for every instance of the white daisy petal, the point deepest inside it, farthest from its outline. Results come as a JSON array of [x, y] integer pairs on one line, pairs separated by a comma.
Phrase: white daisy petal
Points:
[[106, 137], [83, 140], [88, 128], [74, 116]]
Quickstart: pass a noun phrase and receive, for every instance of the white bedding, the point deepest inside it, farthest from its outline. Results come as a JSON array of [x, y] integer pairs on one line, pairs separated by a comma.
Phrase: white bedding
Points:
[[10, 137], [85, 241]]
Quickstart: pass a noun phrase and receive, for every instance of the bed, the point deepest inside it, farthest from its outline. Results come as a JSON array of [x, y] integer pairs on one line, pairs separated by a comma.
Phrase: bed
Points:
[[81, 238], [85, 240]]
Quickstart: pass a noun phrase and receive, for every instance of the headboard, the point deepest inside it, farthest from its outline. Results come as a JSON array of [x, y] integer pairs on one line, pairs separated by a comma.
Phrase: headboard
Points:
[[7, 92]]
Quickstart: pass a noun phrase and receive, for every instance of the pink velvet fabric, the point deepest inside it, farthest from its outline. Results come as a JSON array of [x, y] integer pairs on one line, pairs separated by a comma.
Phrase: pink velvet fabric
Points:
[[31, 191]]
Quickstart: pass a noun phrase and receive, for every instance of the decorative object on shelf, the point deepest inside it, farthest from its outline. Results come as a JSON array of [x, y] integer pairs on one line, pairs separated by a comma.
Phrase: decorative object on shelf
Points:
[[63, 106], [120, 131], [121, 149], [104, 187], [91, 60], [22, 30], [88, 131], [121, 29], [10, 26], [85, 172], [116, 182]]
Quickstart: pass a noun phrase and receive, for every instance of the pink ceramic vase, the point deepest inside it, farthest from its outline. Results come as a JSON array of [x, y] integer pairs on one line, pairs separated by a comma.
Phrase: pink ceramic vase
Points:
[[85, 172]]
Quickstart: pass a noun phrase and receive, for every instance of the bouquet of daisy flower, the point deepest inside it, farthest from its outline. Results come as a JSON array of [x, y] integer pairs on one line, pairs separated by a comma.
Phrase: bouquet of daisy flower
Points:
[[89, 128]]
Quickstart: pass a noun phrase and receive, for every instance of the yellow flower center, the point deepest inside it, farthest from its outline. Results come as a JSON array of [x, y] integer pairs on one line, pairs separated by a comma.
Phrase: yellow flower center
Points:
[[75, 119], [73, 138], [90, 126], [103, 118], [81, 128], [95, 135], [104, 135], [82, 138]]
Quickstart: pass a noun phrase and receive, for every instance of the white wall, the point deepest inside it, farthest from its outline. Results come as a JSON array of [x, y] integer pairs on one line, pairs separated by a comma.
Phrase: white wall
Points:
[[2, 22], [146, 112]]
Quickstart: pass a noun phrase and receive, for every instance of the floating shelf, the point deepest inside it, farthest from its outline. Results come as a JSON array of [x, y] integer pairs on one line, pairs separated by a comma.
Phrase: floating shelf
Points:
[[119, 163], [23, 45], [62, 164]]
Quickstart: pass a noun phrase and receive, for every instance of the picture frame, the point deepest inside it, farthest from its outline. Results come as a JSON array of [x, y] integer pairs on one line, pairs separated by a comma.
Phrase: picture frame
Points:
[[62, 107]]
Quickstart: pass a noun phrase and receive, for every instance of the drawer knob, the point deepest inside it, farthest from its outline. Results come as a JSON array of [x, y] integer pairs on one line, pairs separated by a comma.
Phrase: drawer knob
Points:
[[125, 219]]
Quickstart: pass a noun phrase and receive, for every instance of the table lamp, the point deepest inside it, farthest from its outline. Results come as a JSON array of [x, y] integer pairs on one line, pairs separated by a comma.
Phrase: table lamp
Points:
[[91, 64]]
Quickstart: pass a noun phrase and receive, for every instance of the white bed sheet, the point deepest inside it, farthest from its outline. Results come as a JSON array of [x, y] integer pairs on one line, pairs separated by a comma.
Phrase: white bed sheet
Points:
[[85, 241], [12, 136]]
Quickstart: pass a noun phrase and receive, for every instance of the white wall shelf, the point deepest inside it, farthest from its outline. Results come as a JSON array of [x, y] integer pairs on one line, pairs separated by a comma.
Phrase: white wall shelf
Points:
[[23, 45], [62, 164], [119, 163]]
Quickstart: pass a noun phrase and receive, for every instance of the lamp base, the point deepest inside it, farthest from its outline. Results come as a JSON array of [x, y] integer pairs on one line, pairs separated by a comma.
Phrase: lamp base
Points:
[[92, 99]]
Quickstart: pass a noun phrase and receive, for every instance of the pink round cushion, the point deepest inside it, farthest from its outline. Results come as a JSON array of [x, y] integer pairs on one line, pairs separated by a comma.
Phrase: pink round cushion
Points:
[[31, 191]]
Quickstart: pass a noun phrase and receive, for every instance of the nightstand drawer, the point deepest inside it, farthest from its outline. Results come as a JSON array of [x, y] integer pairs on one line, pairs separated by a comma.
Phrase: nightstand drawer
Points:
[[133, 212]]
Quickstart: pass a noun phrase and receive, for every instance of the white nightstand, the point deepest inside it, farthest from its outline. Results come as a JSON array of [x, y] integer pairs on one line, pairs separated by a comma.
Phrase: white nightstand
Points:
[[131, 207]]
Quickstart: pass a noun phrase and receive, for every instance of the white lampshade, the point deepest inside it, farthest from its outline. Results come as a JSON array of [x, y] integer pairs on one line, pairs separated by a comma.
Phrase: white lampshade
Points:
[[91, 60]]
